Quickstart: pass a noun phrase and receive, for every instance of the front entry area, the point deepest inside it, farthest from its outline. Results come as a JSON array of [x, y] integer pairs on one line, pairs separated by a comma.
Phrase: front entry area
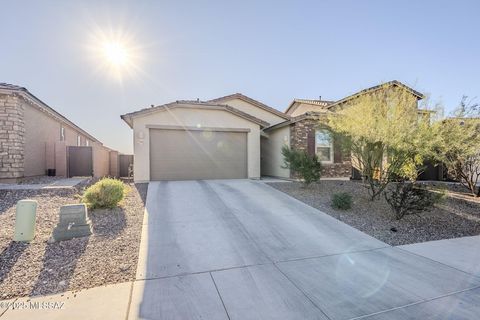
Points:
[[197, 154]]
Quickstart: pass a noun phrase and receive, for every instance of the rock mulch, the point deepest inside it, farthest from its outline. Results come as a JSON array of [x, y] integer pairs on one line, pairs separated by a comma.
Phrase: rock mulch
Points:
[[108, 256], [454, 217], [40, 180]]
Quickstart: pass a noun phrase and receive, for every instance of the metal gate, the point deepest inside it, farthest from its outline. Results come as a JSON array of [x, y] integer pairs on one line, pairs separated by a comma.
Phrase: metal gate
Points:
[[80, 161], [126, 161]]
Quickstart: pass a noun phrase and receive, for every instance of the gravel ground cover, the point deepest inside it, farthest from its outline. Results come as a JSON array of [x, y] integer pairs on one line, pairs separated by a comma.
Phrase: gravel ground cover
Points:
[[39, 180], [108, 256], [456, 216]]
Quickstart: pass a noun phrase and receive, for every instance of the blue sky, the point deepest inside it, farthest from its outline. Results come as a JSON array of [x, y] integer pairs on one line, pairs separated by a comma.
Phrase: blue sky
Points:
[[273, 51]]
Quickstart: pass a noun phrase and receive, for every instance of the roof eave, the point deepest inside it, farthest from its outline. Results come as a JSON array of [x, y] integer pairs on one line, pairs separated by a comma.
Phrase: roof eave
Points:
[[52, 112], [128, 118], [290, 106], [254, 102], [419, 95]]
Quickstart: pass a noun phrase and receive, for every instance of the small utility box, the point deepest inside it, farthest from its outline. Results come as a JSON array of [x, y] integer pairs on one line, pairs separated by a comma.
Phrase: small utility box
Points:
[[73, 223], [25, 217]]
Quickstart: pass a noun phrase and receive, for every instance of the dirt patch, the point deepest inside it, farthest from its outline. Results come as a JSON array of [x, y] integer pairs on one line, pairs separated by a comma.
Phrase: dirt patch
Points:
[[110, 255], [455, 217]]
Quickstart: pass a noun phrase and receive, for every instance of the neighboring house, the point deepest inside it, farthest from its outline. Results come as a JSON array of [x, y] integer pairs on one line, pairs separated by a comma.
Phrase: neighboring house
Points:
[[34, 138], [235, 137]]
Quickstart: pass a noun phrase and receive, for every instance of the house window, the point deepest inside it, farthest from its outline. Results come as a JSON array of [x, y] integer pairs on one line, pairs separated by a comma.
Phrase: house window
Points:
[[62, 134], [324, 145], [79, 141], [87, 143]]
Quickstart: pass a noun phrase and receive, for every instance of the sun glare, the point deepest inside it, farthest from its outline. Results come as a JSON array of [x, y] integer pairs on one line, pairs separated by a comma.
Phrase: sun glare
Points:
[[114, 54]]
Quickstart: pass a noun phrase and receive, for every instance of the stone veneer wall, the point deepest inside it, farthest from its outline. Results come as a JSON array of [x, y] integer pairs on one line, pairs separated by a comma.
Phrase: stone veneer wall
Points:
[[298, 141], [12, 137]]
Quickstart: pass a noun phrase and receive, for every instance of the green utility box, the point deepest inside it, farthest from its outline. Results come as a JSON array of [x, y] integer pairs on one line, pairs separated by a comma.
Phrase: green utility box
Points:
[[25, 218]]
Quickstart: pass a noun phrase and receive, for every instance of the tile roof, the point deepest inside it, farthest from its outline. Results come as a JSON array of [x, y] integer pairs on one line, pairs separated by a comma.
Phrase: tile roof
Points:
[[10, 88], [377, 87], [294, 104], [251, 101], [306, 115], [322, 103], [202, 104]]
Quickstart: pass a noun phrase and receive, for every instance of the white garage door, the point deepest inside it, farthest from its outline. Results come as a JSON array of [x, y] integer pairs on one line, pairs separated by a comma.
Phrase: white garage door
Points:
[[192, 154]]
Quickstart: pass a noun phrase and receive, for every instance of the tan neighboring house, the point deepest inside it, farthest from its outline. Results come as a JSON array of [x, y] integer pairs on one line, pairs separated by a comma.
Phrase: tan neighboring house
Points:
[[34, 138], [235, 137]]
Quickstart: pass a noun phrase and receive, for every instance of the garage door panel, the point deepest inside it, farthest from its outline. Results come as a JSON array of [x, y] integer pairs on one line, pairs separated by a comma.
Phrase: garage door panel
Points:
[[190, 155]]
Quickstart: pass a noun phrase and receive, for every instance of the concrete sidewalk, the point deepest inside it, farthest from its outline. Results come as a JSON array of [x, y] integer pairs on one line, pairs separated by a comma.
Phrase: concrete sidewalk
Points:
[[460, 253], [102, 303]]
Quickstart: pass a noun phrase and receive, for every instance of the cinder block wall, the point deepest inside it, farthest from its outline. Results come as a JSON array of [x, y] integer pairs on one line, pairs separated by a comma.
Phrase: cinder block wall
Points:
[[12, 137]]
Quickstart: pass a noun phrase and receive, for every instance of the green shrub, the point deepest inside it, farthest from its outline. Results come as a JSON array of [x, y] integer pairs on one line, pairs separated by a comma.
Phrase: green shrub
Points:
[[306, 166], [409, 198], [342, 201], [106, 193]]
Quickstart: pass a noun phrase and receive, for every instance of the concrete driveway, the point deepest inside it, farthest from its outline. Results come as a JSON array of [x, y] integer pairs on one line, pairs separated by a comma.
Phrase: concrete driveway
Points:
[[240, 249]]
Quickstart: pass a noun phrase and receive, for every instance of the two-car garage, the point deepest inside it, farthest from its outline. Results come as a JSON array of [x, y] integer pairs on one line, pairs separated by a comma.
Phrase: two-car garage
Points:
[[195, 141], [186, 154]]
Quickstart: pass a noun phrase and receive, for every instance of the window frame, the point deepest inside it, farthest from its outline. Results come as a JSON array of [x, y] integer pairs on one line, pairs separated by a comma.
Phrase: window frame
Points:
[[331, 161]]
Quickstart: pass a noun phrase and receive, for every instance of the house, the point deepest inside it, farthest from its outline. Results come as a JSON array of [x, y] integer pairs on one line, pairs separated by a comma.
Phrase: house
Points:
[[35, 138], [235, 137]]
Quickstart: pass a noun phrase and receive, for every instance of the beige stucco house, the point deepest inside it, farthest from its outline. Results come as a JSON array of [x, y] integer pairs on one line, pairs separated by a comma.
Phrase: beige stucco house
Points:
[[34, 138], [234, 137], [217, 139]]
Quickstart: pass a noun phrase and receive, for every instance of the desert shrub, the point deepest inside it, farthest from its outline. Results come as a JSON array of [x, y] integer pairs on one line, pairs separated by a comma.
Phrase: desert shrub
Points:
[[408, 198], [306, 166], [106, 193], [342, 201]]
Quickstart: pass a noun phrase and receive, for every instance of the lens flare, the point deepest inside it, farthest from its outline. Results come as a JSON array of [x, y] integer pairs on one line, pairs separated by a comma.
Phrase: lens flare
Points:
[[114, 53]]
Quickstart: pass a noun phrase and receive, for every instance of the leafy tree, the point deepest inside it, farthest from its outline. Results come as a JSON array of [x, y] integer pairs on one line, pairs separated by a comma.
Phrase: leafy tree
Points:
[[460, 145], [387, 137], [306, 166]]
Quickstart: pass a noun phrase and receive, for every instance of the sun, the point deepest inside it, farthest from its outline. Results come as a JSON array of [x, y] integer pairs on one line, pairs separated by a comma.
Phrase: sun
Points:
[[116, 54]]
